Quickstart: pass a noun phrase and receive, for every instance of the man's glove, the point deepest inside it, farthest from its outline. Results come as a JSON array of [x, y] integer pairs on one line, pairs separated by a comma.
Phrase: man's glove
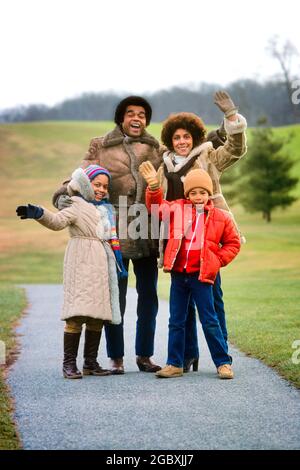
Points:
[[123, 273], [225, 103], [29, 212], [149, 173], [63, 202]]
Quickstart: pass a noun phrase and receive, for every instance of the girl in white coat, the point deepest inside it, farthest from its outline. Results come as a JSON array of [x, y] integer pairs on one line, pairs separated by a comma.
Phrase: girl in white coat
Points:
[[92, 265]]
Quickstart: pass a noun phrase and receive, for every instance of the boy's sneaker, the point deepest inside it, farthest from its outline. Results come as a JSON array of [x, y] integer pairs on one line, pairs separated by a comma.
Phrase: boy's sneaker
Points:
[[169, 371], [225, 371]]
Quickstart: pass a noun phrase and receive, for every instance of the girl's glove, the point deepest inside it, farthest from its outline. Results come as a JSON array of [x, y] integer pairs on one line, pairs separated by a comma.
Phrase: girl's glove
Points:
[[225, 103], [123, 273], [149, 173], [29, 212]]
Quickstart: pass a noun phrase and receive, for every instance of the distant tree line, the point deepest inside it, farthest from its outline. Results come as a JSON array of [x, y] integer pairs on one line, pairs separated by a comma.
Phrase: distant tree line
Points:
[[269, 99]]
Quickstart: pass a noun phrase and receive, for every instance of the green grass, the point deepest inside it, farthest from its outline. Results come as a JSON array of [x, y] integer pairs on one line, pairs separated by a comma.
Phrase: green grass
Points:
[[266, 330], [261, 287], [32, 267], [12, 303]]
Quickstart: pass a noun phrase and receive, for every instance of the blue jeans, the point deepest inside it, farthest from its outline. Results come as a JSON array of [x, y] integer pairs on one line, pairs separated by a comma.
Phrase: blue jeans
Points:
[[146, 273], [183, 287], [191, 340], [219, 305]]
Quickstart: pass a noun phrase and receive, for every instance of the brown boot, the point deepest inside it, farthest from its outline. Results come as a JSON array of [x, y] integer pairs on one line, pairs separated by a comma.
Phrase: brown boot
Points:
[[71, 343], [117, 366], [91, 346], [146, 365]]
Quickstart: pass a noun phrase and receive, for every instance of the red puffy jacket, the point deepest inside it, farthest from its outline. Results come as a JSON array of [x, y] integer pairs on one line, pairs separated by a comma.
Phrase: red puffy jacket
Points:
[[220, 241]]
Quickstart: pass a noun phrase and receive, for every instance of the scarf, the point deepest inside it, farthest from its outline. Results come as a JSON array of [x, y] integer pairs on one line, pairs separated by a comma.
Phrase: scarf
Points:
[[106, 230], [175, 184]]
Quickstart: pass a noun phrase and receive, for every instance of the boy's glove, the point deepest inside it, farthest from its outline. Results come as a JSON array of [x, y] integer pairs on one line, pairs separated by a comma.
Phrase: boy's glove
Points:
[[123, 273], [149, 173], [63, 202], [29, 212], [225, 103]]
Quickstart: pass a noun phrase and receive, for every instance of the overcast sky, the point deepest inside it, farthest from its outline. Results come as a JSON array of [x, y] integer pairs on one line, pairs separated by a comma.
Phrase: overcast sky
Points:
[[57, 49]]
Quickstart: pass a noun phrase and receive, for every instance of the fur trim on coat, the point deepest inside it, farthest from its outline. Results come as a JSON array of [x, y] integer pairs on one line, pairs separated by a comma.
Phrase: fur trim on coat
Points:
[[80, 183], [116, 137]]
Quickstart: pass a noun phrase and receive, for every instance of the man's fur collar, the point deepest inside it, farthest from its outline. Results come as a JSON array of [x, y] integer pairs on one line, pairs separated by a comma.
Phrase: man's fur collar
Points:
[[116, 137]]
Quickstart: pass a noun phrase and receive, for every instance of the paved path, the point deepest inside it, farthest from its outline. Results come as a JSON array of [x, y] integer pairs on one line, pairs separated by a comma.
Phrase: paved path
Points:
[[256, 410]]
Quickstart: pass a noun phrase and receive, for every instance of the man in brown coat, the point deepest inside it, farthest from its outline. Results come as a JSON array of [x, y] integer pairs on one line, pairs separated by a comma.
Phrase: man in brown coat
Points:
[[121, 152]]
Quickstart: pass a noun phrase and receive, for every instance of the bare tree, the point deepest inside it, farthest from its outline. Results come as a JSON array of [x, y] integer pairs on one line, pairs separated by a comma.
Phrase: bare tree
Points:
[[285, 54]]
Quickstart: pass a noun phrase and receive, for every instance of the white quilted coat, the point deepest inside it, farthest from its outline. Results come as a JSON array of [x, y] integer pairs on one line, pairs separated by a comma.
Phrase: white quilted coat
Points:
[[90, 276]]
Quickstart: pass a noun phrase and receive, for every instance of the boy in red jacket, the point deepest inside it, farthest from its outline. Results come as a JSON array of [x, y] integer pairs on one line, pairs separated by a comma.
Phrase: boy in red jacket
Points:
[[202, 239]]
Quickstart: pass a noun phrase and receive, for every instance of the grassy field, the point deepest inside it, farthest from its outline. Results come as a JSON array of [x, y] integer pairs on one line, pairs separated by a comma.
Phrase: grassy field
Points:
[[261, 287], [12, 303]]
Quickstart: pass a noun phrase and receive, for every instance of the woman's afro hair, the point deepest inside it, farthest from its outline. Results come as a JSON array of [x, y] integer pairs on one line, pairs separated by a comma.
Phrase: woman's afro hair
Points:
[[188, 121]]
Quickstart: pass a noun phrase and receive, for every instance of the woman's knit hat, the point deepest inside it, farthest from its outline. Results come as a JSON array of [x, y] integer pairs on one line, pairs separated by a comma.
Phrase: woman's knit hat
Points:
[[197, 179], [94, 170]]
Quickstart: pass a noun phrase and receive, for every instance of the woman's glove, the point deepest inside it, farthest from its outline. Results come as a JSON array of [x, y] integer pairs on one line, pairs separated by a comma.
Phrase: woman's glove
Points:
[[123, 273], [225, 103], [29, 212], [149, 173]]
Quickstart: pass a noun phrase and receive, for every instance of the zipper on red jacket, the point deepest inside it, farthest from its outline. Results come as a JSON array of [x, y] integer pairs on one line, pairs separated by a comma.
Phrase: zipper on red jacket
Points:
[[194, 233], [202, 244]]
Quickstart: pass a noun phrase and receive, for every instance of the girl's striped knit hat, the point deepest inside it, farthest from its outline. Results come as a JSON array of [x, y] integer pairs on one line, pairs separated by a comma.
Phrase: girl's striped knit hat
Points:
[[94, 170]]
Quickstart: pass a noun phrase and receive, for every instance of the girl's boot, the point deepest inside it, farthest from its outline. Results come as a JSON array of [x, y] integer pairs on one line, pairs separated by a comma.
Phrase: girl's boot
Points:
[[91, 345], [71, 343]]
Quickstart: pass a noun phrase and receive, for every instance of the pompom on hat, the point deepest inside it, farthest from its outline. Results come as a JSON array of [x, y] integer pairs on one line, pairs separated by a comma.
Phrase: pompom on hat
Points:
[[197, 179], [94, 170]]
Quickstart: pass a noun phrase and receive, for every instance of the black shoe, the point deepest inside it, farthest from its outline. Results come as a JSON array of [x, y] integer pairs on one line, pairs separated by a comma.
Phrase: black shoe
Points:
[[188, 363]]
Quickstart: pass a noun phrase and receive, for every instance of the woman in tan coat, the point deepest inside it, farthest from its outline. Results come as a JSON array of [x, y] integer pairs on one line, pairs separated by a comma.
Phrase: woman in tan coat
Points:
[[92, 257]]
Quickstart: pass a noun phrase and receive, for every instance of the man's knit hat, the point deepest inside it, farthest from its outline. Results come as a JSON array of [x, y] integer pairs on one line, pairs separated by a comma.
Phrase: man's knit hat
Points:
[[197, 179], [94, 170]]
